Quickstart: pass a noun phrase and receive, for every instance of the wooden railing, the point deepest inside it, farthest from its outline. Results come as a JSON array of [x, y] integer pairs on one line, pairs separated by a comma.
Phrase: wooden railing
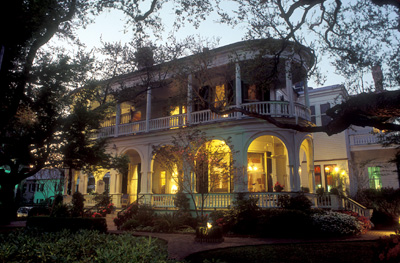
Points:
[[272, 108], [363, 139]]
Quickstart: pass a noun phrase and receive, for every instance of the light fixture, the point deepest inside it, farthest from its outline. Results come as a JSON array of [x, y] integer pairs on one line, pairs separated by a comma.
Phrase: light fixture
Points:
[[336, 169]]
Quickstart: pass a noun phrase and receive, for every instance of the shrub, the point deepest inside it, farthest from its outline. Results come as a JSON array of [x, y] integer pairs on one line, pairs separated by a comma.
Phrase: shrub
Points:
[[144, 214], [130, 225], [81, 246], [170, 222], [385, 202], [295, 202], [181, 201], [60, 210], [389, 249], [53, 224], [336, 224], [320, 191], [364, 222], [77, 204], [242, 217]]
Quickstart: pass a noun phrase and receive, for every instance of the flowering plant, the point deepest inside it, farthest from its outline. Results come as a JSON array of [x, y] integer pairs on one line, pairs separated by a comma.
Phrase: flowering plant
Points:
[[389, 249], [365, 222], [95, 214], [278, 187]]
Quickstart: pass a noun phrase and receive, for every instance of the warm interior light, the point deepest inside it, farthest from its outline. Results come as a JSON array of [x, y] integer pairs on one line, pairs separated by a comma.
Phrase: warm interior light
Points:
[[209, 225], [327, 168], [174, 189], [336, 169]]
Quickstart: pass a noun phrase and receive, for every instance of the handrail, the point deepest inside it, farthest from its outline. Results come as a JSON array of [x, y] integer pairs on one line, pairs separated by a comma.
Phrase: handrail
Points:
[[272, 108]]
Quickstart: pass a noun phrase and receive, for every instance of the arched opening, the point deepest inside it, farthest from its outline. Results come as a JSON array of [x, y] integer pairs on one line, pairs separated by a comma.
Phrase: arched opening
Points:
[[130, 183], [267, 160], [213, 168], [165, 176], [106, 179], [306, 169], [91, 185]]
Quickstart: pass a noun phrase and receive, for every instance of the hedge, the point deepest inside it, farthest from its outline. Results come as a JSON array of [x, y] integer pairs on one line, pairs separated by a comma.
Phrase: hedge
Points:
[[53, 224]]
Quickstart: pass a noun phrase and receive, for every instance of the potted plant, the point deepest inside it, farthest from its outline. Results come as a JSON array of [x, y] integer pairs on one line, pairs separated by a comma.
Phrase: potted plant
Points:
[[278, 187]]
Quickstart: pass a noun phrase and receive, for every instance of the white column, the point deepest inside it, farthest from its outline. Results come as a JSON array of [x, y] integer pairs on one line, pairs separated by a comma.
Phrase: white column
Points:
[[148, 109], [240, 177], [117, 119], [306, 95], [113, 181], [238, 90], [289, 85], [189, 99], [146, 173]]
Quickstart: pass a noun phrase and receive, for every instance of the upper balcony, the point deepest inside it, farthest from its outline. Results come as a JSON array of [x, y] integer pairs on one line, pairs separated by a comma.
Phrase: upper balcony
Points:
[[277, 109], [246, 75]]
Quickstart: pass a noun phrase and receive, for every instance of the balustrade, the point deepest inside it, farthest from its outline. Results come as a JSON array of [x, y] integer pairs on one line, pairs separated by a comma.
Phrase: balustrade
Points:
[[272, 108]]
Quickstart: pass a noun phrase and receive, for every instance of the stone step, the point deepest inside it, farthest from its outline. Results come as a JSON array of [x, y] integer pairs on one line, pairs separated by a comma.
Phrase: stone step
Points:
[[110, 221]]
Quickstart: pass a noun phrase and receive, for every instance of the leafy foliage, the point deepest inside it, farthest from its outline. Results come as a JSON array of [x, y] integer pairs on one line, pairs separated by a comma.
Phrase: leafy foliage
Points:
[[385, 202], [295, 202], [81, 246]]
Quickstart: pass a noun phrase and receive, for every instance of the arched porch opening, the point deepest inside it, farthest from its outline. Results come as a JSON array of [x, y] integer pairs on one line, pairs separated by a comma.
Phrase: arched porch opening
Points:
[[130, 181], [165, 179], [306, 168], [267, 164], [213, 169]]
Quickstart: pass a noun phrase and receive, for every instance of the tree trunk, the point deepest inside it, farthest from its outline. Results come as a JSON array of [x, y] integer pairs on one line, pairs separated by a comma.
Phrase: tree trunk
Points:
[[7, 203]]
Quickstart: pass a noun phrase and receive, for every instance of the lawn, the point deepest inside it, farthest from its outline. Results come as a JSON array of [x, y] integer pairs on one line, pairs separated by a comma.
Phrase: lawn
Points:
[[363, 251]]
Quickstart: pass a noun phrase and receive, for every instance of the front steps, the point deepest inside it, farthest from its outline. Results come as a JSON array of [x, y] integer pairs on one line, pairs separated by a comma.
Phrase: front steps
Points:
[[110, 221]]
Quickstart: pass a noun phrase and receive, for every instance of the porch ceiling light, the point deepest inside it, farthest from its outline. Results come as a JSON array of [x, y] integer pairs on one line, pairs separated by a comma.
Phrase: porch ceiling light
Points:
[[336, 169]]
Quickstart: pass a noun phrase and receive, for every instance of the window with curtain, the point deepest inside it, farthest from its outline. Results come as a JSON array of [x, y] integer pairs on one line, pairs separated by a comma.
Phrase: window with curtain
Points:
[[375, 178]]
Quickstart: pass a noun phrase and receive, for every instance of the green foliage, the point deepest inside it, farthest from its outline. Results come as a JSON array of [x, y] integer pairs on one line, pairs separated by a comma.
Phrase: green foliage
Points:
[[336, 224], [77, 204], [52, 224], [60, 210], [181, 201], [385, 202], [242, 217], [81, 246], [320, 191], [295, 202], [143, 214]]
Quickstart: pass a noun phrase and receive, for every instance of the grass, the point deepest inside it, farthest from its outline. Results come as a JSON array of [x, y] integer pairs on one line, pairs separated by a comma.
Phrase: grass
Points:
[[362, 251]]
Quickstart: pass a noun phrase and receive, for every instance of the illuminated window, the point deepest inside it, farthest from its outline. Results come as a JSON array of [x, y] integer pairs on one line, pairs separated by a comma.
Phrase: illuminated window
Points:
[[375, 178], [162, 181], [317, 174], [219, 95]]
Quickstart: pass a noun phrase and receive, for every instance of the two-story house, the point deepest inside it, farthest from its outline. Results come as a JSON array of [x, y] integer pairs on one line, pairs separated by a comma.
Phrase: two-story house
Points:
[[257, 76]]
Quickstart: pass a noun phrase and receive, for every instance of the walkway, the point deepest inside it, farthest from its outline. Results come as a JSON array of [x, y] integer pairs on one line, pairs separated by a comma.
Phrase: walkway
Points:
[[182, 245]]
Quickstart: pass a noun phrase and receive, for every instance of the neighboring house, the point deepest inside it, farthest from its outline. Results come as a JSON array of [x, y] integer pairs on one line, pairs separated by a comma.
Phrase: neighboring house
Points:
[[42, 186], [233, 76], [355, 155]]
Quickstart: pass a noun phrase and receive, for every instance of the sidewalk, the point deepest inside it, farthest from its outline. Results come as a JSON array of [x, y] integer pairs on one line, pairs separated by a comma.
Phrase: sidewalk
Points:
[[182, 245]]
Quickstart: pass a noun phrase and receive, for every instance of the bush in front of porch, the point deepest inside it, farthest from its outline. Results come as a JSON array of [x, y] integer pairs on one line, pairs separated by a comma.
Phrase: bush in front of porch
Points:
[[144, 218], [295, 218]]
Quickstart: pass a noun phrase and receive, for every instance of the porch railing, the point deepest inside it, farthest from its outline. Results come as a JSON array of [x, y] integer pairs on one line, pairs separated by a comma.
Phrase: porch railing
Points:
[[272, 108], [265, 200], [363, 139]]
